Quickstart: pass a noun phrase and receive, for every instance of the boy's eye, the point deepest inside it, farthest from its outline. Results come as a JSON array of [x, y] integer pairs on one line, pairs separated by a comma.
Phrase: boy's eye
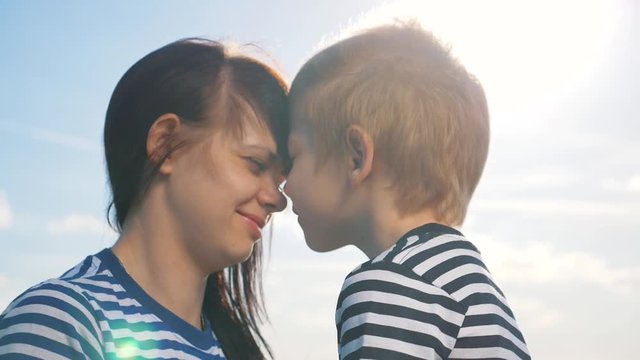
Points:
[[292, 158]]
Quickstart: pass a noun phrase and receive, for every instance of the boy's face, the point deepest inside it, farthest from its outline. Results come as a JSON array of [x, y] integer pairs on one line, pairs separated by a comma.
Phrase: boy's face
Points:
[[317, 190]]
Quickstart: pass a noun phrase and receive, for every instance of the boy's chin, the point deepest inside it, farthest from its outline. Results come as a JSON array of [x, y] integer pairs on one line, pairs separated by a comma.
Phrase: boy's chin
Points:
[[321, 245]]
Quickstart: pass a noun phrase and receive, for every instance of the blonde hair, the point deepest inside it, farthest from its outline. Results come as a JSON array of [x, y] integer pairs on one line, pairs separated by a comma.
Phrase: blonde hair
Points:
[[426, 114]]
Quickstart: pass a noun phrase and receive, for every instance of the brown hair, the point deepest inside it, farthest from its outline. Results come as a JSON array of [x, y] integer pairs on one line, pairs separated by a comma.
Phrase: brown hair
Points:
[[191, 78], [427, 115]]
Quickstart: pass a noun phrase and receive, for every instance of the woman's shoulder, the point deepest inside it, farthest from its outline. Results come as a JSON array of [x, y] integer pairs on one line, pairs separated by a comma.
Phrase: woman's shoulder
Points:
[[49, 321], [69, 284], [50, 298], [47, 296], [52, 317]]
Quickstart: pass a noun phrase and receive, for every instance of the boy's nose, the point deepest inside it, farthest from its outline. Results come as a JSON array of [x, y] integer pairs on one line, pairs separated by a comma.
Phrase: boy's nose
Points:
[[281, 203], [286, 188]]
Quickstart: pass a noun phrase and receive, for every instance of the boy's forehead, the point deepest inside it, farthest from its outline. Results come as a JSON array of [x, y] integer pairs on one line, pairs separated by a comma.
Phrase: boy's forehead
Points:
[[301, 131], [301, 126], [299, 120]]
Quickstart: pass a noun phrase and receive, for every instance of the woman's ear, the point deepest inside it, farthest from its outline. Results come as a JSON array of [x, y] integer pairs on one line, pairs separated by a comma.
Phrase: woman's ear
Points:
[[360, 152], [160, 139]]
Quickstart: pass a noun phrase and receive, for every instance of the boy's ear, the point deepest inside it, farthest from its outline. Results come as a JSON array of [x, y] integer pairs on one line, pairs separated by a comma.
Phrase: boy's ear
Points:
[[160, 138], [360, 152]]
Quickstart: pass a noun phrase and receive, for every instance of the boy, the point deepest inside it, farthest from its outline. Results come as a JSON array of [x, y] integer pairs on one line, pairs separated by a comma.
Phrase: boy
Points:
[[389, 138]]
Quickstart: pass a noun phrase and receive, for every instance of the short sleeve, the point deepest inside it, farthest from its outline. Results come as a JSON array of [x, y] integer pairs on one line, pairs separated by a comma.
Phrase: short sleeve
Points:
[[386, 311], [49, 321]]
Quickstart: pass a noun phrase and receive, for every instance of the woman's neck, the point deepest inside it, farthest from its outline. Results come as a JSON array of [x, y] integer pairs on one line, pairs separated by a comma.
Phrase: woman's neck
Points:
[[152, 252]]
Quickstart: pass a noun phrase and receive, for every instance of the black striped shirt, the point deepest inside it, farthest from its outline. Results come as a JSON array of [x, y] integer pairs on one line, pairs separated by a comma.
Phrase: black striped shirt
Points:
[[428, 297]]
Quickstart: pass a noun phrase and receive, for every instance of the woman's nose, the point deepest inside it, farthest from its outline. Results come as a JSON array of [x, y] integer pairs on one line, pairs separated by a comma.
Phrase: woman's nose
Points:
[[273, 197]]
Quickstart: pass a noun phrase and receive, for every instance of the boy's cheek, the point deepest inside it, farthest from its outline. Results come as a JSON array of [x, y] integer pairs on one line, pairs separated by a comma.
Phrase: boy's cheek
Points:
[[292, 181]]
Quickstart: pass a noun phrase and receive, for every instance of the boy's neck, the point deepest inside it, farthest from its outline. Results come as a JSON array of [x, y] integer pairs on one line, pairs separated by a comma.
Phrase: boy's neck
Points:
[[387, 225]]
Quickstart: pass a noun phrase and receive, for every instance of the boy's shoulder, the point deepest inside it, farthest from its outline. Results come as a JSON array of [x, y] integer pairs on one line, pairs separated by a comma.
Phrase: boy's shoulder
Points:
[[403, 275], [437, 256], [431, 287]]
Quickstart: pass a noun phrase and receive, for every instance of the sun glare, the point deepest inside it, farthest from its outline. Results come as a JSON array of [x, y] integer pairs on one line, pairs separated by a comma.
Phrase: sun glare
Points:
[[526, 53]]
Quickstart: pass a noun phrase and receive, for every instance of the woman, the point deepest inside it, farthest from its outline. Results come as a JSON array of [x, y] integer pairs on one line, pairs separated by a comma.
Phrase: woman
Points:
[[194, 140]]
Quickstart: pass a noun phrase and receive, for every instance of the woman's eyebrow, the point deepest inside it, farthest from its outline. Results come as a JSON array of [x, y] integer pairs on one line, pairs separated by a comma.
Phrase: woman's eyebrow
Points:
[[271, 155]]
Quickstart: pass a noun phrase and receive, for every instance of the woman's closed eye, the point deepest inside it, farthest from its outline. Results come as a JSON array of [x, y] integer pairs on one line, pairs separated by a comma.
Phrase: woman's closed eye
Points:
[[256, 165]]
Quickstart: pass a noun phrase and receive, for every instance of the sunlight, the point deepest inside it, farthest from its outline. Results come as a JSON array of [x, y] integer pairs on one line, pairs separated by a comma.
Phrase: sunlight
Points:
[[525, 53], [127, 349]]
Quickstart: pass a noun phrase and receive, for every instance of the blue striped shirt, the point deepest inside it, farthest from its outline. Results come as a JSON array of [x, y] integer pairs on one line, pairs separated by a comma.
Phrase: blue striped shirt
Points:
[[97, 311], [428, 297]]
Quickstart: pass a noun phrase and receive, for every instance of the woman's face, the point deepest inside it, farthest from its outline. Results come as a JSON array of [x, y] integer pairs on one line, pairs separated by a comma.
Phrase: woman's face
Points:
[[222, 191]]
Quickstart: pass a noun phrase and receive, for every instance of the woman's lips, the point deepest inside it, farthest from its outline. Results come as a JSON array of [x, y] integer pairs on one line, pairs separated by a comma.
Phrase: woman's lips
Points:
[[255, 223]]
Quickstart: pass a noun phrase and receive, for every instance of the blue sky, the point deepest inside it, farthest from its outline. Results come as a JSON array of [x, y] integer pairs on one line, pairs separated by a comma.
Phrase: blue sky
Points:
[[555, 215]]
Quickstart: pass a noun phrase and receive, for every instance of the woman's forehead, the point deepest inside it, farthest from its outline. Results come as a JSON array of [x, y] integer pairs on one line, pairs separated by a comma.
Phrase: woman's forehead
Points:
[[256, 136], [238, 119], [250, 134]]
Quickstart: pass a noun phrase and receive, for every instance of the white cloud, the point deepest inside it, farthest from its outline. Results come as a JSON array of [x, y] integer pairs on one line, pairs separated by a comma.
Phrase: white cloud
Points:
[[634, 184], [541, 263], [534, 314], [49, 265], [611, 184], [78, 223], [555, 207], [4, 285], [629, 185], [301, 295], [6, 215], [53, 137], [68, 140], [10, 288], [330, 265], [550, 178], [285, 226]]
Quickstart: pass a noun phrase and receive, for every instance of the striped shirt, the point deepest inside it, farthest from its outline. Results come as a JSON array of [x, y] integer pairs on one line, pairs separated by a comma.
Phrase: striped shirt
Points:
[[428, 297], [96, 311]]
